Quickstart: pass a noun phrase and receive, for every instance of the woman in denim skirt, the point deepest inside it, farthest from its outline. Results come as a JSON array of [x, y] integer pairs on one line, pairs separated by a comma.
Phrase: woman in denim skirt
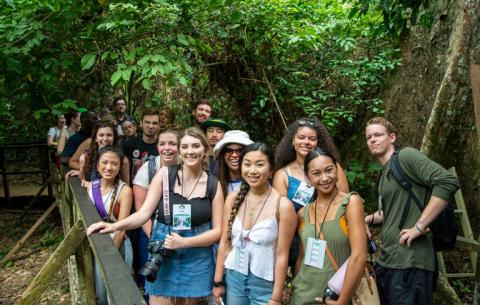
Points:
[[186, 274], [258, 227]]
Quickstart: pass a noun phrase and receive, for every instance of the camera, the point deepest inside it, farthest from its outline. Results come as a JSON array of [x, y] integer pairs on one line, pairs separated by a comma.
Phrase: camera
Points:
[[329, 294], [158, 254], [371, 245]]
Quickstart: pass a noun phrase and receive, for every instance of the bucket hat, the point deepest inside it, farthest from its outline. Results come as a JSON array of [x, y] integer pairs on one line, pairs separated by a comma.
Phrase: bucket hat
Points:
[[230, 137]]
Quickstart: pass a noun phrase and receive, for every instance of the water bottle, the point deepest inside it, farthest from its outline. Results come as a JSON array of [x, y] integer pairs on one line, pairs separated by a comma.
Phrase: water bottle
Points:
[[335, 284]]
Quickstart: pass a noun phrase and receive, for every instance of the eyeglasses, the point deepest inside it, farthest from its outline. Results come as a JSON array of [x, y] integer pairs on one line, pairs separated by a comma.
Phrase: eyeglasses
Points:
[[230, 151], [307, 123]]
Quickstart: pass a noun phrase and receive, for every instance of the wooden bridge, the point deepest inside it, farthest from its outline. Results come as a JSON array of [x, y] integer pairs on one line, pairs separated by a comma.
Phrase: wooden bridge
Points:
[[77, 250]]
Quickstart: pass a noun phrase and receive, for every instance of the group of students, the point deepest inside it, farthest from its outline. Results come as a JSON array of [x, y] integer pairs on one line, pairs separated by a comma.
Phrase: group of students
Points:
[[234, 231]]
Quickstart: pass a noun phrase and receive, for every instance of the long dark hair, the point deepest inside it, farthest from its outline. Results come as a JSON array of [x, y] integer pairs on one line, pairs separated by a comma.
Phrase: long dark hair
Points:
[[223, 172], [285, 153], [244, 187], [93, 153], [119, 153]]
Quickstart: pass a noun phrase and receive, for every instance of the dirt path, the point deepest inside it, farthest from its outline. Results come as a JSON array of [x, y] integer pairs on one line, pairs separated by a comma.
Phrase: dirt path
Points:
[[16, 276]]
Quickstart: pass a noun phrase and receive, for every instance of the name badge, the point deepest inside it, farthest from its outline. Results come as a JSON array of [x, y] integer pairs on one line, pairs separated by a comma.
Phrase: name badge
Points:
[[315, 254], [241, 260], [182, 217], [303, 194]]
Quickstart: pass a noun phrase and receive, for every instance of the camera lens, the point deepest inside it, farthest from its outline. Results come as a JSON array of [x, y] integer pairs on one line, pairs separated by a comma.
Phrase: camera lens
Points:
[[157, 255]]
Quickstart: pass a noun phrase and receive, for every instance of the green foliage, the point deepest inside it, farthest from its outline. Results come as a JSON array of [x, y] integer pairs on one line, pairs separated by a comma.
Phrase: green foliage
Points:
[[320, 59], [362, 178], [398, 15]]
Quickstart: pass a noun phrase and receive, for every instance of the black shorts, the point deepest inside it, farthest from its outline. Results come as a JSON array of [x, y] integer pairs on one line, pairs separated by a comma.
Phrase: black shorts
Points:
[[410, 286]]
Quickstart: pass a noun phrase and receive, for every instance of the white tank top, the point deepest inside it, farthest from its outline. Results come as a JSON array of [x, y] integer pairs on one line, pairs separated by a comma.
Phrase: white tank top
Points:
[[260, 246], [107, 200]]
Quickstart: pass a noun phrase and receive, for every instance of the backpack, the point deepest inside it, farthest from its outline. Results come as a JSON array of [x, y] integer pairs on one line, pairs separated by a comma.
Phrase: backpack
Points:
[[444, 228], [151, 170]]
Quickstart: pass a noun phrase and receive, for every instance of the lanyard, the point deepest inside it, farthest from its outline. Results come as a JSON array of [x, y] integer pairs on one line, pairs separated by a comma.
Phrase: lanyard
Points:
[[242, 239], [325, 216], [188, 197], [98, 201]]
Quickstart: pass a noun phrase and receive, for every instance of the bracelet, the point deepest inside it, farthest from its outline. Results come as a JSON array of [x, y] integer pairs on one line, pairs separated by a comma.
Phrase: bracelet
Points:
[[219, 284], [276, 301], [419, 229]]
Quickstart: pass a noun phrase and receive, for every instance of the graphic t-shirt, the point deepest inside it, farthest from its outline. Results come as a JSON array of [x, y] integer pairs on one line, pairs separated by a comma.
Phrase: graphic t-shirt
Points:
[[138, 152]]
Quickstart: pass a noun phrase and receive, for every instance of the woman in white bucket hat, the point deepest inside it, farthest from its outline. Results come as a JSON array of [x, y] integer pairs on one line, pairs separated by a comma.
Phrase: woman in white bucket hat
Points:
[[227, 153]]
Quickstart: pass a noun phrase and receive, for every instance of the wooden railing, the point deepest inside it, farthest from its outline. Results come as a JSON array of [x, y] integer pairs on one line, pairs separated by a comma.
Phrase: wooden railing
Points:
[[79, 250], [44, 166]]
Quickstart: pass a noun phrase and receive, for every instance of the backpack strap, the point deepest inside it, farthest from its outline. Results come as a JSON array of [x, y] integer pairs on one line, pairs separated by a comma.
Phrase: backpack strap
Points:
[[402, 179], [212, 183], [151, 170]]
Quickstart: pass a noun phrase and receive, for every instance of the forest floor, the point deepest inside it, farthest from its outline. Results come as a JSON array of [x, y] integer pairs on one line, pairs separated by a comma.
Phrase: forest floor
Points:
[[27, 262]]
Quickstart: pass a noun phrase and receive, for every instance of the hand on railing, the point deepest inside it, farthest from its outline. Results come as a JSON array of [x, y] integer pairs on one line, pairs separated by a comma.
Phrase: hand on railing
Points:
[[101, 227]]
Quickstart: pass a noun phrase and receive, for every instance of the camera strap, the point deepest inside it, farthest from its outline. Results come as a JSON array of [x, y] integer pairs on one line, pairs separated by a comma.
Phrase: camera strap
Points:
[[166, 199]]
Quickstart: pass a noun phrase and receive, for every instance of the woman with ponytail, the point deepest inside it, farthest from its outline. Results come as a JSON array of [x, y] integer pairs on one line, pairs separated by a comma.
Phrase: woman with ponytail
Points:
[[334, 219], [113, 199], [258, 227]]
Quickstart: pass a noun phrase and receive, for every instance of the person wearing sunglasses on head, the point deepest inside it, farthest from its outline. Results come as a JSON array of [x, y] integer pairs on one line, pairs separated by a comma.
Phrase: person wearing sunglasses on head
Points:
[[303, 136], [227, 152]]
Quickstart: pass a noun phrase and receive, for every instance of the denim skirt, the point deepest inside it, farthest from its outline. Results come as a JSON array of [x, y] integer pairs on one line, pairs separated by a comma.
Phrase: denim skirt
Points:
[[188, 272]]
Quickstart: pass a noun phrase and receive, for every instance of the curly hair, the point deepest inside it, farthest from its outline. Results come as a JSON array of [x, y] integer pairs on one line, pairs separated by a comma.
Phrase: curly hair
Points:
[[285, 152], [244, 187], [92, 156]]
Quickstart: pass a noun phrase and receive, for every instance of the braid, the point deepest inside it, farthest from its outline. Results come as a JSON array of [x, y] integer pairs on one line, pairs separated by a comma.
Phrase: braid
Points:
[[114, 195], [244, 188]]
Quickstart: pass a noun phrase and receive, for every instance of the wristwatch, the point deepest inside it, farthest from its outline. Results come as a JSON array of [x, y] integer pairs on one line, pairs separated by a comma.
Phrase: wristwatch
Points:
[[219, 284]]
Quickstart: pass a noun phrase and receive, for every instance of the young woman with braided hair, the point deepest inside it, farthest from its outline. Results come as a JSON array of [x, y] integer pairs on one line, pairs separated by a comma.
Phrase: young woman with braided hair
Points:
[[258, 227], [113, 199]]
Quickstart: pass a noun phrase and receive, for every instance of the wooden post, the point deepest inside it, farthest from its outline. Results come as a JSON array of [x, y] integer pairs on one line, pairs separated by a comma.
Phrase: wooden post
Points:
[[28, 234], [475, 81], [6, 189], [53, 265], [88, 272]]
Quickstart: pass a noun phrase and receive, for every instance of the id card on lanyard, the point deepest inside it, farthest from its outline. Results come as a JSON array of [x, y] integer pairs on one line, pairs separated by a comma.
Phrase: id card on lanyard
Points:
[[182, 217], [241, 260], [303, 193], [315, 252]]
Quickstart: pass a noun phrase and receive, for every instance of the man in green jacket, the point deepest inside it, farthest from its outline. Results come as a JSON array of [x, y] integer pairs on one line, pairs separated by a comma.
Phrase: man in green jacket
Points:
[[406, 267]]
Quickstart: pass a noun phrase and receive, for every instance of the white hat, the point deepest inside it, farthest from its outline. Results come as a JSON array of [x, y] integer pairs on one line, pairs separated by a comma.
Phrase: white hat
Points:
[[232, 136]]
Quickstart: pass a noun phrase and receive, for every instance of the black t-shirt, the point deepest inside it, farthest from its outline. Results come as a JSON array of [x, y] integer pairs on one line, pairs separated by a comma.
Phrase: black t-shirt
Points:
[[138, 153], [72, 144]]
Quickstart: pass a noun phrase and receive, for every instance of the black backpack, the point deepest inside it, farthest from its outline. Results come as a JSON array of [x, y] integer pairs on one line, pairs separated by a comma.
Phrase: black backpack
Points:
[[444, 228]]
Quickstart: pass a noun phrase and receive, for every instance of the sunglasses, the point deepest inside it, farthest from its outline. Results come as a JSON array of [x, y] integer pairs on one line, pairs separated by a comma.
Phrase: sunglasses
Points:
[[230, 151], [307, 123]]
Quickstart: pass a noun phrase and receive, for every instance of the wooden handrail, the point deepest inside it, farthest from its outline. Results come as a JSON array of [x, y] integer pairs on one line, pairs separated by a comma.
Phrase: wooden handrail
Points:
[[120, 285]]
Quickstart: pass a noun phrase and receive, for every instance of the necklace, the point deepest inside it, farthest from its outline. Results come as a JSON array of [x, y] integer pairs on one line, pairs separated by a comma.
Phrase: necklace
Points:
[[245, 238], [193, 189], [302, 170], [252, 210], [324, 217]]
